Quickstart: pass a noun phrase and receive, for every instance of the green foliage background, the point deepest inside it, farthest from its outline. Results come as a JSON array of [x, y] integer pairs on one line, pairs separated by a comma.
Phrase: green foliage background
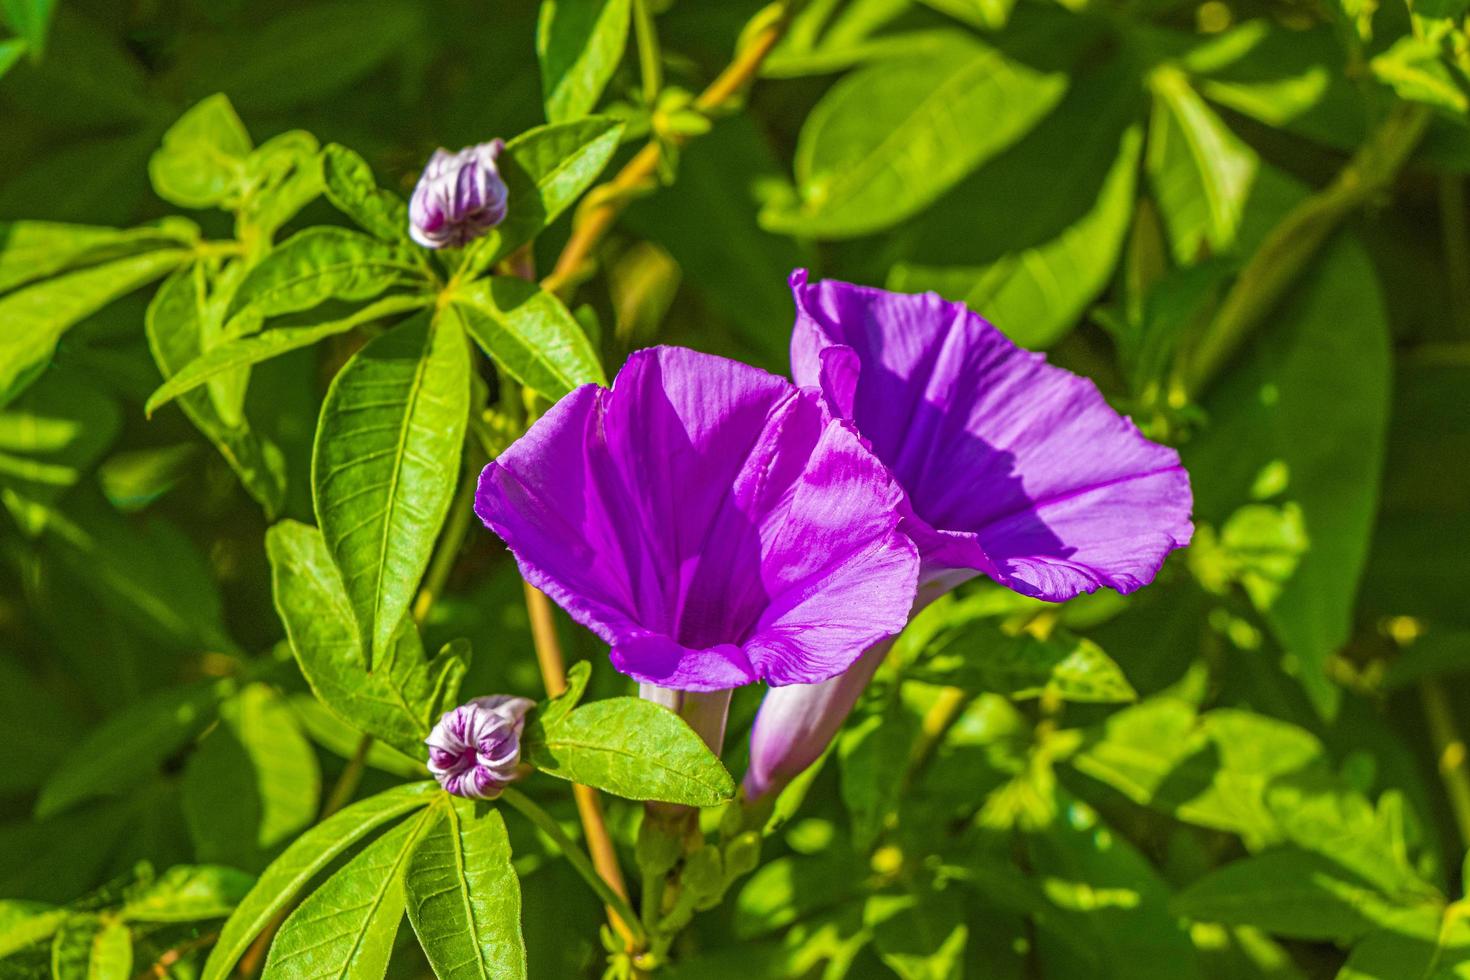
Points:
[[1244, 219]]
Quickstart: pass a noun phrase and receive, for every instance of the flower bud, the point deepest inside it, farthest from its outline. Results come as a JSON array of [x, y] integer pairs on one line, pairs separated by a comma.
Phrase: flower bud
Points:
[[474, 749], [459, 197]]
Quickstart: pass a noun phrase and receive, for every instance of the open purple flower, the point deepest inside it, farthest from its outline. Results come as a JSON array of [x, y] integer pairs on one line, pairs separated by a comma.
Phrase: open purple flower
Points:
[[1012, 469], [474, 749], [459, 196], [713, 523]]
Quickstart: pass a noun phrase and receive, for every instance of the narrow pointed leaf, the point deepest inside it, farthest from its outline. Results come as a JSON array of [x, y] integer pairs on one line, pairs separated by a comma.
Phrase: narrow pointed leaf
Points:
[[529, 333], [579, 44], [319, 264], [353, 191]]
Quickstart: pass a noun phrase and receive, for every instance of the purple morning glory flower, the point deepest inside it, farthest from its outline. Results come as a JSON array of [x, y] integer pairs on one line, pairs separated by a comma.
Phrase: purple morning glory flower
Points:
[[1012, 469], [474, 749], [459, 197], [713, 523]]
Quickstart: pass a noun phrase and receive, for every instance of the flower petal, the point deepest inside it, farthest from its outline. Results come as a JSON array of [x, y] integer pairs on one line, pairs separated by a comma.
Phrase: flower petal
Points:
[[1013, 467]]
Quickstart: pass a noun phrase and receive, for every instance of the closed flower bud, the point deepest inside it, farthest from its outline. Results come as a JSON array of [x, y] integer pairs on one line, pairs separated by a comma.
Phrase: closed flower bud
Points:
[[459, 197], [474, 749]]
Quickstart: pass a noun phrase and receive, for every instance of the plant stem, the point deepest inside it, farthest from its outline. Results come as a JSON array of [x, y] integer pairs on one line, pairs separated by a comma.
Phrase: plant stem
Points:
[[442, 564], [650, 61], [611, 896], [1296, 238], [1449, 752], [589, 807], [612, 197]]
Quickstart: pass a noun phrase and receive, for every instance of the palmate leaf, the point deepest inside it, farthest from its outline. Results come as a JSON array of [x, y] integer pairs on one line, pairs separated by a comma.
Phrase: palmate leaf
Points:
[[279, 884], [464, 899], [403, 695], [579, 44], [630, 747], [36, 316], [884, 143], [530, 334], [346, 927], [385, 464]]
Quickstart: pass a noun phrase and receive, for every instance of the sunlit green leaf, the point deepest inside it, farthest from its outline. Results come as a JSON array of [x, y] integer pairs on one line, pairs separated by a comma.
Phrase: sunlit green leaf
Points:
[[187, 893], [579, 43], [351, 188], [529, 333], [386, 464], [319, 264], [202, 161]]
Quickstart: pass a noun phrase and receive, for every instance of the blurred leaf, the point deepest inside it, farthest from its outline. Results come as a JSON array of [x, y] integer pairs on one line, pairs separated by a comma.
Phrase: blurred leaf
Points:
[[545, 169], [279, 884], [282, 176], [129, 746], [880, 145], [919, 936], [346, 927], [1201, 171], [874, 756], [1328, 345], [351, 188], [187, 893], [252, 783], [56, 860], [1414, 68], [31, 19], [1423, 943], [176, 330], [790, 888], [36, 316], [403, 695], [579, 44], [272, 342], [11, 50], [324, 263], [529, 333], [133, 480], [36, 729], [92, 948], [1286, 892], [632, 748], [49, 437], [202, 161], [310, 52], [965, 647], [25, 923], [87, 79], [385, 466], [464, 899], [31, 250]]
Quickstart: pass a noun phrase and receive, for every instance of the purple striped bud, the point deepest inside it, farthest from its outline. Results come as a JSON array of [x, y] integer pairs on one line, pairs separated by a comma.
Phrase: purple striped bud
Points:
[[459, 197], [474, 750]]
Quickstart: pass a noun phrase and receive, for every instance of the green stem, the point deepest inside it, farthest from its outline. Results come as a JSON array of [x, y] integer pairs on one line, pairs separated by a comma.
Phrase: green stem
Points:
[[548, 825], [1296, 238], [1449, 751], [442, 563], [650, 61]]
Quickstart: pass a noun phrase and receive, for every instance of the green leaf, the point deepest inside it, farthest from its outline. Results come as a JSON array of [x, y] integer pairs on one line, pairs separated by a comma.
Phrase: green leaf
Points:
[[202, 161], [346, 927], [881, 144], [1416, 70], [579, 44], [11, 50], [282, 177], [49, 437], [1416, 944], [132, 480], [397, 701], [279, 884], [353, 191], [871, 753], [31, 19], [177, 325], [793, 887], [529, 333], [92, 948], [1201, 172], [342, 740], [188, 893], [385, 465], [554, 710], [545, 170], [632, 748], [269, 343], [965, 647], [1270, 440], [464, 899], [36, 316], [919, 936], [253, 783], [1286, 892], [130, 746], [319, 264], [31, 250], [24, 924]]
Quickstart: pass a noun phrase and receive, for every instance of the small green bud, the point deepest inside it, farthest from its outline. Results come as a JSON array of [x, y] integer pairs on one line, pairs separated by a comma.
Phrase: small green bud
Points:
[[704, 876], [658, 847], [742, 855]]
